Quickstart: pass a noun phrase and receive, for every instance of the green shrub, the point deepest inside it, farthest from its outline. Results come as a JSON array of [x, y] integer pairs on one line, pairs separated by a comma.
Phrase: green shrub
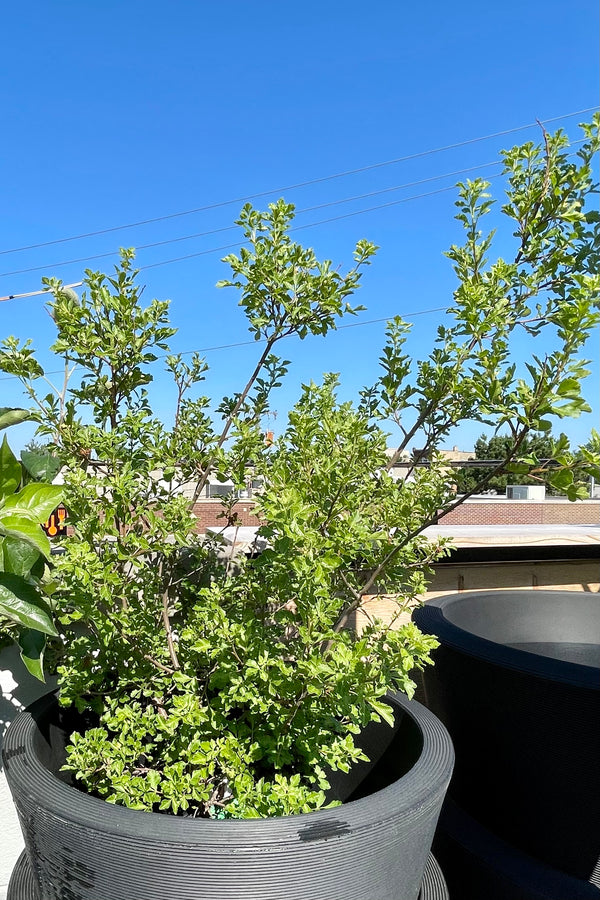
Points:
[[220, 687]]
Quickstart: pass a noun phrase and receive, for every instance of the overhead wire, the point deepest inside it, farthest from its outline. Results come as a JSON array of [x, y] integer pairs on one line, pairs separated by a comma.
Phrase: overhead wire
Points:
[[372, 166], [210, 250], [348, 215], [357, 212], [235, 244], [306, 209]]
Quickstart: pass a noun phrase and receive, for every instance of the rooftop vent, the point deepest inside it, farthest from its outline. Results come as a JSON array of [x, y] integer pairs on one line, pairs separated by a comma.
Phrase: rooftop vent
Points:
[[525, 491]]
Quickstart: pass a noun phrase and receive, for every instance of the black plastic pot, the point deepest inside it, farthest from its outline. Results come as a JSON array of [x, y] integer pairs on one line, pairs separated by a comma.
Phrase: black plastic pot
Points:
[[480, 866], [517, 682], [375, 845]]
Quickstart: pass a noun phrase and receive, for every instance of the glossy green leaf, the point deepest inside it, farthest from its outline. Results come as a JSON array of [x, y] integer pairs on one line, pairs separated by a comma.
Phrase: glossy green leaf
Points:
[[517, 468], [10, 416], [17, 556], [36, 501], [562, 479], [383, 710], [26, 529], [42, 466], [20, 602], [10, 470], [570, 387], [32, 644]]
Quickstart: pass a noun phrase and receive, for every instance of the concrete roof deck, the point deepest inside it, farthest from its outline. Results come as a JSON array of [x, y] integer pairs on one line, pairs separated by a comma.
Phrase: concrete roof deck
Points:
[[243, 536]]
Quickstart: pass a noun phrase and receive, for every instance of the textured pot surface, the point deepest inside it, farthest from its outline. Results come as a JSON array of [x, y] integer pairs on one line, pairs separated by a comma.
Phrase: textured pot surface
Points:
[[517, 684], [17, 690], [22, 884], [375, 845]]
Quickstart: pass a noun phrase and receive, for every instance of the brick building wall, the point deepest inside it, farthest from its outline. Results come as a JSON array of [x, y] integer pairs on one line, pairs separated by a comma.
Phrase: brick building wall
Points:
[[472, 512], [208, 512], [524, 512]]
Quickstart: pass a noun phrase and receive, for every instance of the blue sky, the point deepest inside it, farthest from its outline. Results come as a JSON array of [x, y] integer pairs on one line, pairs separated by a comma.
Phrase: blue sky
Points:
[[117, 112]]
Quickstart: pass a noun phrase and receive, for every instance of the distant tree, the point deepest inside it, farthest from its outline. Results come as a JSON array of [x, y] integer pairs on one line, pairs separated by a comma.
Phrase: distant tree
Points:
[[35, 446], [592, 446], [589, 454], [540, 447]]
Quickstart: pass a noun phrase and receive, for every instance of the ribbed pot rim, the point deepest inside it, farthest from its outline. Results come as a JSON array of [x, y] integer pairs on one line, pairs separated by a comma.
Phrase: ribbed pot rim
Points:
[[410, 797], [432, 618]]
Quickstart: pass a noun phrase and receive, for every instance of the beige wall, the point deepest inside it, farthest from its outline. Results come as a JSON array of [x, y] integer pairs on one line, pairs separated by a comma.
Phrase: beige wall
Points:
[[567, 575]]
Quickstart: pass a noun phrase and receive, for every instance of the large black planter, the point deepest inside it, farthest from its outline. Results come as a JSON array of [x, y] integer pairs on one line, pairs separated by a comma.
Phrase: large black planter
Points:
[[480, 866], [517, 682], [375, 845]]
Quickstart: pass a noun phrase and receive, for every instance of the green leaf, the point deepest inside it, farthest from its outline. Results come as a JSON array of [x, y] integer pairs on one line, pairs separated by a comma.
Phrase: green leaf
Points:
[[517, 468], [562, 479], [36, 501], [21, 602], [10, 416], [32, 644], [25, 529], [10, 470], [41, 466], [382, 709], [570, 387], [17, 556]]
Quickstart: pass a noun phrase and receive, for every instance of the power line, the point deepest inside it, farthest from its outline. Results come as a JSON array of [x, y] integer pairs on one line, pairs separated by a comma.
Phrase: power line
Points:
[[301, 184], [358, 212], [236, 244], [188, 237], [410, 315]]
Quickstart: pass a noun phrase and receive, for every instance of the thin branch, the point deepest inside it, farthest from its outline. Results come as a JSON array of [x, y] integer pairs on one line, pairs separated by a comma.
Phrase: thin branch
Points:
[[231, 417], [231, 553], [159, 665], [351, 588], [432, 521], [117, 626], [531, 215], [169, 630]]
